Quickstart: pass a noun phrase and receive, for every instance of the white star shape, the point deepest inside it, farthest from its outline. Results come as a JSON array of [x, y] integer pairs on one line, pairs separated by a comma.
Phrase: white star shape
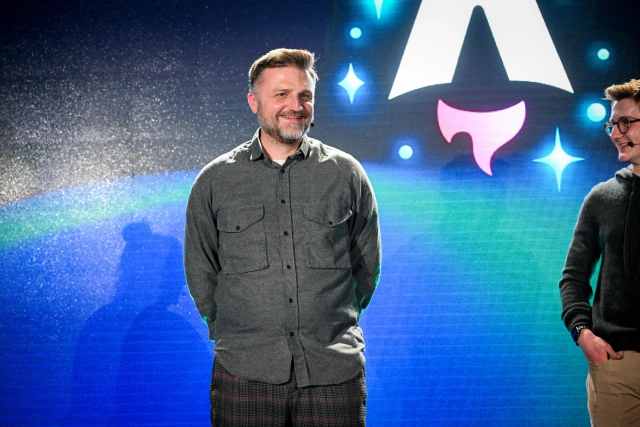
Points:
[[558, 159], [378, 6], [351, 83]]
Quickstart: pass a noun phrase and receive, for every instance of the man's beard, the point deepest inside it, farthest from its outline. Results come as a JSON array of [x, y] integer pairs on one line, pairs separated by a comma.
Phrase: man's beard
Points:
[[272, 127]]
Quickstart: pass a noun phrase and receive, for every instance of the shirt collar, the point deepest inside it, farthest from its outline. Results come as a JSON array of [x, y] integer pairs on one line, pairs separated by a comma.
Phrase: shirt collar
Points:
[[256, 149], [304, 147], [257, 153]]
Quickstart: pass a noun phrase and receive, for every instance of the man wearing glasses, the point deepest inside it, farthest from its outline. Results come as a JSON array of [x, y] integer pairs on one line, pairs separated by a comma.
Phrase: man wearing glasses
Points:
[[608, 230]]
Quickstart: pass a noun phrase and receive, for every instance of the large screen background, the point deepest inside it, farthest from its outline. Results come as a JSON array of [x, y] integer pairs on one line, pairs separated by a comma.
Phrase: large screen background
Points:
[[109, 109]]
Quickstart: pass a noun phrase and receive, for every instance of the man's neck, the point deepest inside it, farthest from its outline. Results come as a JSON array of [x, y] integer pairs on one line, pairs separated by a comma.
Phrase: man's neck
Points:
[[635, 169], [276, 150]]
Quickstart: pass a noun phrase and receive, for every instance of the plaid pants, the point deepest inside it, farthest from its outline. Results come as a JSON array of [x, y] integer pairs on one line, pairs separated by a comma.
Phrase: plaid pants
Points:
[[239, 402]]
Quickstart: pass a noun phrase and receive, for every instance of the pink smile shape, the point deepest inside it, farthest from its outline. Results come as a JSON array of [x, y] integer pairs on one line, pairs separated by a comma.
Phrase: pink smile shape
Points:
[[489, 130]]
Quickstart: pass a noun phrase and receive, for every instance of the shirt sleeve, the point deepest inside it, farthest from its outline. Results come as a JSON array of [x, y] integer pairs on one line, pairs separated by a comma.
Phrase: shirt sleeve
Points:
[[582, 257], [201, 249], [365, 243]]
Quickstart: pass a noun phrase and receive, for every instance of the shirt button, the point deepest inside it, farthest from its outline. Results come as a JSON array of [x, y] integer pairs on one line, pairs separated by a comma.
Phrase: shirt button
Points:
[[290, 299], [330, 222], [281, 170], [237, 227], [282, 201], [290, 334], [288, 267], [286, 233]]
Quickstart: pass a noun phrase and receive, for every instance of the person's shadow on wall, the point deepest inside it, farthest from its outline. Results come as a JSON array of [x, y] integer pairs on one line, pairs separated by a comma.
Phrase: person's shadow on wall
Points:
[[137, 362], [165, 367]]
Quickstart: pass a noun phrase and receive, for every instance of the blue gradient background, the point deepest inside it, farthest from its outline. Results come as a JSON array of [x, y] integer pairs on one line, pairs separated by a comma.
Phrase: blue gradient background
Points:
[[96, 324]]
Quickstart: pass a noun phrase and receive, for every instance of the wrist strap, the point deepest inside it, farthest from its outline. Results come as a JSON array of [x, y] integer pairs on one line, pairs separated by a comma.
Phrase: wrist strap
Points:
[[575, 334]]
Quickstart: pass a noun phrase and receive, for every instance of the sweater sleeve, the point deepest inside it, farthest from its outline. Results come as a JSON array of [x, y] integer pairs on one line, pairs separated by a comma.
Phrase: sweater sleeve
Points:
[[582, 257]]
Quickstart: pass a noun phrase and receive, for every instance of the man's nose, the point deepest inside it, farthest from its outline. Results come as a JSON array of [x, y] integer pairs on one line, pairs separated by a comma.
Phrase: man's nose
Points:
[[295, 103], [615, 133]]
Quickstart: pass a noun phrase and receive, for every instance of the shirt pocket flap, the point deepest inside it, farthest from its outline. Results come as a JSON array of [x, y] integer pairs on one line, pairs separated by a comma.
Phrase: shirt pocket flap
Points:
[[238, 219], [326, 215]]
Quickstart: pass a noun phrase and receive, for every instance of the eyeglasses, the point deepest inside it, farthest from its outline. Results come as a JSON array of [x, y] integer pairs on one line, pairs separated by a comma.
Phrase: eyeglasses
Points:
[[623, 125]]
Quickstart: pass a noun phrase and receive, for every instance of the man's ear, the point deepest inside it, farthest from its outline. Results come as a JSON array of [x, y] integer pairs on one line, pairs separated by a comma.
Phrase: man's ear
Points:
[[253, 102]]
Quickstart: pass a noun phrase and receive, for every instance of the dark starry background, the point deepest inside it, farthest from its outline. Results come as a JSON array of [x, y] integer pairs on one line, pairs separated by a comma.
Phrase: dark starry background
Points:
[[96, 90]]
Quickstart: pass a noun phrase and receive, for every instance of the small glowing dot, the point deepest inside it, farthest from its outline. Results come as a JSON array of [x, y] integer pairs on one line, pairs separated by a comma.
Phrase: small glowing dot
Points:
[[603, 54], [405, 152], [596, 112], [355, 33]]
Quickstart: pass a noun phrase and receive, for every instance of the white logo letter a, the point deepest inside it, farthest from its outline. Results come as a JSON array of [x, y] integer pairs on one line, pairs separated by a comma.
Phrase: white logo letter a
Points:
[[522, 38]]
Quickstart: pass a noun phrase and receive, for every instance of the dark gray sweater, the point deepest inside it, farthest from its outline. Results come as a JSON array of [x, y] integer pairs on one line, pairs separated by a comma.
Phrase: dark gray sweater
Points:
[[607, 230]]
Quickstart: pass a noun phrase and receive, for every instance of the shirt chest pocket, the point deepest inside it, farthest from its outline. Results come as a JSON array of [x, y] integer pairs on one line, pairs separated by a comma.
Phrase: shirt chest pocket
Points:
[[327, 235], [243, 245]]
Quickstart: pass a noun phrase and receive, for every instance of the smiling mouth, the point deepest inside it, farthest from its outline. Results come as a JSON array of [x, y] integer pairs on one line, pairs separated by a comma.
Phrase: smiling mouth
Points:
[[292, 117]]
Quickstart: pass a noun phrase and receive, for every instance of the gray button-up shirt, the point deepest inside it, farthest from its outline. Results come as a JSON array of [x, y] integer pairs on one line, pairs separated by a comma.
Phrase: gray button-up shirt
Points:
[[281, 261]]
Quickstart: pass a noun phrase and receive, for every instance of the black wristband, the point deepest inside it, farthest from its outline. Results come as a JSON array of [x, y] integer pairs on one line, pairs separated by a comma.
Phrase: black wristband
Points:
[[575, 334]]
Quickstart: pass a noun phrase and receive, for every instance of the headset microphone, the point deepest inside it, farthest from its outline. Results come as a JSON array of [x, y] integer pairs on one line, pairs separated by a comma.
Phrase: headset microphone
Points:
[[630, 144]]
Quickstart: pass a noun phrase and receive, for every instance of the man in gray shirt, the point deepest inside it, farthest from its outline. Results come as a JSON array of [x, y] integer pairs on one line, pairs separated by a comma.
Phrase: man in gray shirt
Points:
[[282, 254]]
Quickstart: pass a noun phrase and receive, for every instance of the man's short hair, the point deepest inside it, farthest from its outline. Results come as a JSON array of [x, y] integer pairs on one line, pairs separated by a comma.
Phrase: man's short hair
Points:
[[630, 89], [300, 58]]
